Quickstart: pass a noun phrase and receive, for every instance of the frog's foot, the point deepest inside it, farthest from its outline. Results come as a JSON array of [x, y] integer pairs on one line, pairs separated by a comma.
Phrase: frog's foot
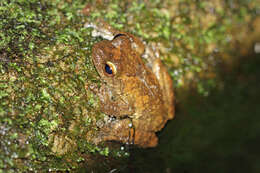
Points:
[[122, 130], [145, 139], [117, 130]]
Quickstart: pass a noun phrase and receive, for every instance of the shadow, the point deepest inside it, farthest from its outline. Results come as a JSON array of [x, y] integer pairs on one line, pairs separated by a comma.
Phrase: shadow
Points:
[[218, 133]]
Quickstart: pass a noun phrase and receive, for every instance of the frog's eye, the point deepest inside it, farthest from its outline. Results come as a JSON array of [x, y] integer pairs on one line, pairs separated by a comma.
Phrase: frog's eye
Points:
[[110, 68]]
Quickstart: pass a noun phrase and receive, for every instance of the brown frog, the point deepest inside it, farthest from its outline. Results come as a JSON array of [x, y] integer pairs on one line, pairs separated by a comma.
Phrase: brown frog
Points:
[[139, 96]]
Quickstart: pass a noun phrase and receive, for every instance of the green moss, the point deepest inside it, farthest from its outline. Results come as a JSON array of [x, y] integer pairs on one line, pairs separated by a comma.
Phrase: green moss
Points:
[[46, 110], [45, 65]]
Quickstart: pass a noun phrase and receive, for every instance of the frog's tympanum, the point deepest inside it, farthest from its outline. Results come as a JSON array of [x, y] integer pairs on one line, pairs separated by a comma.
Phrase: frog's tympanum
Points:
[[137, 96]]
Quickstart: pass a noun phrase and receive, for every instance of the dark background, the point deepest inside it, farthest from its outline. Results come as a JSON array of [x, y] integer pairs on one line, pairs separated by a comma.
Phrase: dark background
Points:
[[217, 133]]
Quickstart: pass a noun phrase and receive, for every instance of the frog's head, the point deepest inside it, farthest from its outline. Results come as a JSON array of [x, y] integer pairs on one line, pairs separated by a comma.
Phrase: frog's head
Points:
[[116, 59]]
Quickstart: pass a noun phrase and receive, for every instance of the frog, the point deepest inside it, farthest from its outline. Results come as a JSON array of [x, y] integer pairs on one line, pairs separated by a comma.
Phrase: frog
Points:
[[136, 90]]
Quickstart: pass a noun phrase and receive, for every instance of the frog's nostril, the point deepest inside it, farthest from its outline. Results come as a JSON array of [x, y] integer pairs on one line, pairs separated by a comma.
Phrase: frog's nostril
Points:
[[110, 68]]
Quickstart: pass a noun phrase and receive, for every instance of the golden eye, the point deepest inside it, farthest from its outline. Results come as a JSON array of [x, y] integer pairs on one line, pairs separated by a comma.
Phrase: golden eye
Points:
[[110, 68]]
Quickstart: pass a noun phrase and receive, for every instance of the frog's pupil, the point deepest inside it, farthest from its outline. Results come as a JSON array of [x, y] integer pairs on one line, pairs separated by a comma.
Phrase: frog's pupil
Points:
[[108, 69]]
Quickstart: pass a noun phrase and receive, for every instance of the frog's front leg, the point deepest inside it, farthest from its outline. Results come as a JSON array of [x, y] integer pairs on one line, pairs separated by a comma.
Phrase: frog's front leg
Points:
[[122, 130], [117, 130], [112, 103]]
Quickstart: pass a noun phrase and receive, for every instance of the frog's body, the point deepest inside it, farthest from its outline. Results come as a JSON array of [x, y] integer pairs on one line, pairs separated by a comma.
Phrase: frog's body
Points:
[[140, 96]]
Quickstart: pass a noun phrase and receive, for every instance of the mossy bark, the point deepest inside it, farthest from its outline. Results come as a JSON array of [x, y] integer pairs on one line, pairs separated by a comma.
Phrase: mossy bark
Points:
[[46, 111]]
